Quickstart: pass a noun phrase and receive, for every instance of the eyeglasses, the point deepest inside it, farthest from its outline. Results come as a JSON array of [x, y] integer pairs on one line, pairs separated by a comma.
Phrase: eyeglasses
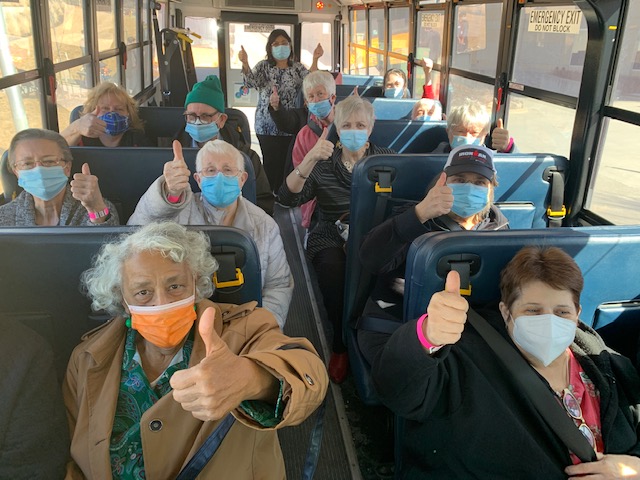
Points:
[[227, 172], [205, 118], [572, 406], [275, 44], [47, 162]]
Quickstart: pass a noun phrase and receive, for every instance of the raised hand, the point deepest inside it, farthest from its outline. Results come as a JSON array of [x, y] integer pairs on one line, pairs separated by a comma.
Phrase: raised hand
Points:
[[318, 52], [90, 125], [447, 313], [355, 91], [500, 137], [323, 149], [220, 381], [242, 56], [274, 99], [437, 202], [85, 189], [176, 173]]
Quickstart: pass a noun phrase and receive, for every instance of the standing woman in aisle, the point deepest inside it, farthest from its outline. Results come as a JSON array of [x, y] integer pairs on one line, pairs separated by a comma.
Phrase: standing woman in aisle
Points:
[[279, 73]]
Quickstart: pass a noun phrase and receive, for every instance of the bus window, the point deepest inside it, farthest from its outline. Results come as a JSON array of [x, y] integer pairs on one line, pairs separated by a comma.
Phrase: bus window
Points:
[[73, 86], [358, 36], [476, 38], [24, 101], [205, 49], [67, 30], [539, 126], [312, 34], [429, 36], [106, 18], [376, 41], [399, 31], [16, 38], [550, 49], [130, 18], [614, 190], [460, 89], [627, 79], [133, 71]]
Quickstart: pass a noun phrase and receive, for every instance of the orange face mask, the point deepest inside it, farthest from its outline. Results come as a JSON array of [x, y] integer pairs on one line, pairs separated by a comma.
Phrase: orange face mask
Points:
[[164, 325]]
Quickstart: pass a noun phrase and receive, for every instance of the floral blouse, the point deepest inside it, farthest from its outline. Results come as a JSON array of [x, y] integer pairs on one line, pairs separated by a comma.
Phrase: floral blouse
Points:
[[288, 82]]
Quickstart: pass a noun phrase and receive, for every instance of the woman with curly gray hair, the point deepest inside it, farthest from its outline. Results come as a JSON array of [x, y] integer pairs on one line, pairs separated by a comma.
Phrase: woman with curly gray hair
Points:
[[171, 369]]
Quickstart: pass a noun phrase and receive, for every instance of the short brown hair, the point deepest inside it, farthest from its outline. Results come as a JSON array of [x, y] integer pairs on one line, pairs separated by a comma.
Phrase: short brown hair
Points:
[[549, 265]]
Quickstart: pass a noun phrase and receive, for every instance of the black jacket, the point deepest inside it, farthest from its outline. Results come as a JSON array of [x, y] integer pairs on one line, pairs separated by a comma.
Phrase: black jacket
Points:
[[468, 419]]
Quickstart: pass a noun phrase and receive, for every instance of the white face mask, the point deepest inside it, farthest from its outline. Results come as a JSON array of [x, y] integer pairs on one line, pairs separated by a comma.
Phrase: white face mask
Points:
[[544, 336]]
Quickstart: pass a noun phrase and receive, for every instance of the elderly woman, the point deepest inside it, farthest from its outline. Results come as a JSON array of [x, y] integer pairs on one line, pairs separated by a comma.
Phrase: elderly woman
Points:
[[325, 173], [220, 175], [427, 110], [41, 160], [467, 413], [147, 389], [469, 124], [281, 74], [460, 199], [109, 118]]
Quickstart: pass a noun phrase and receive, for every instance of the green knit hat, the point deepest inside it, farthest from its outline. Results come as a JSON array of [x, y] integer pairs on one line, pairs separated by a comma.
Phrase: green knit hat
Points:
[[208, 91]]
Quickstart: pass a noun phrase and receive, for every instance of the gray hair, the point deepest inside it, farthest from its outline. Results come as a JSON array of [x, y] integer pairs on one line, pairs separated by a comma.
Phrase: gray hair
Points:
[[39, 134], [319, 78], [219, 148], [103, 282], [427, 104], [351, 105], [470, 113]]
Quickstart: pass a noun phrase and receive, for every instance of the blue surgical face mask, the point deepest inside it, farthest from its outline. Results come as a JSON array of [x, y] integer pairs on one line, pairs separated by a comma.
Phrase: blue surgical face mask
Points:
[[460, 140], [281, 52], [201, 132], [394, 92], [220, 191], [468, 199], [43, 182], [544, 336], [320, 109], [353, 140], [424, 118], [116, 123]]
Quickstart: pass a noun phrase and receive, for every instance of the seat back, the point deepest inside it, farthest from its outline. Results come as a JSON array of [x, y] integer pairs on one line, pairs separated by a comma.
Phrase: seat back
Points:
[[125, 174], [600, 252], [406, 136], [390, 108], [345, 90], [41, 269], [522, 195], [240, 122], [353, 80]]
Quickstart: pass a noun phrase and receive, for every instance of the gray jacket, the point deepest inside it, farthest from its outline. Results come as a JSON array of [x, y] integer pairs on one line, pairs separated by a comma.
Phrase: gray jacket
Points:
[[277, 281], [21, 212]]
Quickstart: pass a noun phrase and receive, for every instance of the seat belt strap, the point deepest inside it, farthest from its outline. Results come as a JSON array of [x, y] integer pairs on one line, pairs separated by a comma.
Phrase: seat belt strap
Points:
[[556, 210]]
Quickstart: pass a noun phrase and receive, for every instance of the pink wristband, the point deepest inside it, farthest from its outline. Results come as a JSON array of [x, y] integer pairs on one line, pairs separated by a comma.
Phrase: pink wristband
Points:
[[173, 198], [423, 340], [510, 146], [96, 215]]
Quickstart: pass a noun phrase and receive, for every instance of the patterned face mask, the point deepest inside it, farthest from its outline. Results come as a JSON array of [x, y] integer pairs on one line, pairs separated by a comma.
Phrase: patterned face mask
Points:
[[116, 123]]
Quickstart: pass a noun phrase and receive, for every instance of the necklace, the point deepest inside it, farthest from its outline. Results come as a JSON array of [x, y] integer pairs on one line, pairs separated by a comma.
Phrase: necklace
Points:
[[348, 165]]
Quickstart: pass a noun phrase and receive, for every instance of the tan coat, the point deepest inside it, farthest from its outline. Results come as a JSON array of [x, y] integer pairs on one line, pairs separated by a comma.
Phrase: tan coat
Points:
[[249, 451]]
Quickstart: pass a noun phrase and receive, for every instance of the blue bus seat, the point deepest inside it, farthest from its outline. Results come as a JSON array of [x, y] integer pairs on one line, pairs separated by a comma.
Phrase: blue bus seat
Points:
[[522, 195], [391, 108], [406, 136], [165, 122], [354, 80], [363, 90], [124, 174], [41, 269], [598, 251]]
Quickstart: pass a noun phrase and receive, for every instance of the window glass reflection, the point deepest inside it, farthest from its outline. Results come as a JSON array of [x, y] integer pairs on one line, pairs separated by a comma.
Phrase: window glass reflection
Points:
[[130, 18], [627, 79], [23, 106], [429, 35], [73, 87], [17, 23], [399, 30], [477, 35], [106, 18], [133, 77], [67, 29]]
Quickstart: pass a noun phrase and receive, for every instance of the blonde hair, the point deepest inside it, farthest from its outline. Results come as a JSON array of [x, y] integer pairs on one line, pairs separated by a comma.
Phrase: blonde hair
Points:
[[107, 88]]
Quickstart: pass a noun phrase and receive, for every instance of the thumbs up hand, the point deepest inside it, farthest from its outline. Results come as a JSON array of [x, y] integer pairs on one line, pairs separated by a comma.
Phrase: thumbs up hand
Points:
[[500, 137], [90, 125], [176, 173], [318, 52], [274, 99], [437, 202], [322, 150], [85, 189], [221, 380], [242, 56], [447, 313]]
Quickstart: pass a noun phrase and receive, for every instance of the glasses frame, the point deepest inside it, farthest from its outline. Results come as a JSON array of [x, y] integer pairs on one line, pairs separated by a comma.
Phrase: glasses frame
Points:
[[213, 116], [573, 408], [201, 173], [55, 163]]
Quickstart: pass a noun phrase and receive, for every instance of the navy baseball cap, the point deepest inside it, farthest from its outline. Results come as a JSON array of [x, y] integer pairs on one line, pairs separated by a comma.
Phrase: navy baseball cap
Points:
[[471, 158]]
